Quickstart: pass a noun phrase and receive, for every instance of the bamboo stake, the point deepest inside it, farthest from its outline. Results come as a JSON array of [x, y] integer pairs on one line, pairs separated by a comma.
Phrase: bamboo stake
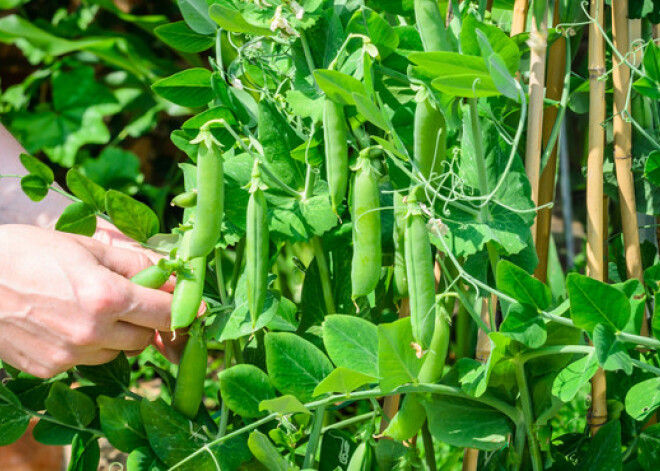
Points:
[[623, 147], [519, 17], [538, 45], [555, 85], [596, 222]]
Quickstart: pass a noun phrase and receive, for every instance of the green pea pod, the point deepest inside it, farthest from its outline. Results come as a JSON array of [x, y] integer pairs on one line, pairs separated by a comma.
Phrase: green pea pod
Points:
[[192, 372], [361, 458], [187, 296], [641, 112], [421, 279], [186, 199], [408, 421], [152, 277], [430, 139], [210, 197], [400, 278], [367, 255], [431, 25], [336, 151], [434, 359], [256, 250]]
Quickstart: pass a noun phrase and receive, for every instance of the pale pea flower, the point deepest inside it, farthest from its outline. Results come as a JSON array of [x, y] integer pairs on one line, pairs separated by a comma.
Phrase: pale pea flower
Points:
[[419, 352], [279, 22], [236, 82], [437, 227], [298, 10]]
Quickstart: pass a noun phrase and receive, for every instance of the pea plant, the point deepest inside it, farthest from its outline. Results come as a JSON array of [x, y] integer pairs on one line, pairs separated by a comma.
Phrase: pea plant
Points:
[[366, 215]]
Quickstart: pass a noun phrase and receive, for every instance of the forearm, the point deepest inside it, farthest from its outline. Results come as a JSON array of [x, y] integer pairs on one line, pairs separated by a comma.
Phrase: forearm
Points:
[[15, 206]]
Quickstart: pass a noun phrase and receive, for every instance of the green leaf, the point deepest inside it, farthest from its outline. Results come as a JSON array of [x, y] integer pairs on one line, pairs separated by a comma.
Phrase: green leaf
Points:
[[36, 167], [133, 218], [465, 423], [7, 397], [605, 448], [648, 448], [647, 87], [343, 380], [230, 19], [180, 37], [594, 302], [122, 423], [295, 365], [522, 286], [77, 218], [652, 169], [35, 187], [336, 448], [370, 111], [284, 405], [523, 324], [85, 453], [191, 126], [86, 190], [243, 388], [368, 23], [352, 342], [49, 433], [143, 459], [655, 322], [643, 399], [13, 423], [573, 377], [339, 87], [612, 355], [266, 453], [113, 376], [70, 406], [191, 87], [397, 359], [652, 61], [196, 15], [499, 42]]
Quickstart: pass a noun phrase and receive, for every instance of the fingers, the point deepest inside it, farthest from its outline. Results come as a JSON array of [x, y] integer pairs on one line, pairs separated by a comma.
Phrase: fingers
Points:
[[128, 337], [148, 308], [124, 262]]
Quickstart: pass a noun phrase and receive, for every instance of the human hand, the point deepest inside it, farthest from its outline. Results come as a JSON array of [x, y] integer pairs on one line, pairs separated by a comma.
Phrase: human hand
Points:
[[66, 300]]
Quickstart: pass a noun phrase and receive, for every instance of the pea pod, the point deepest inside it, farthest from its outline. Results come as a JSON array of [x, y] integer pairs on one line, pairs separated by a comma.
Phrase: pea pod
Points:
[[366, 263], [187, 296], [430, 139], [421, 279], [192, 372], [431, 25], [400, 277], [361, 458], [434, 359], [408, 420], [256, 248], [187, 199], [152, 277], [210, 197], [336, 151]]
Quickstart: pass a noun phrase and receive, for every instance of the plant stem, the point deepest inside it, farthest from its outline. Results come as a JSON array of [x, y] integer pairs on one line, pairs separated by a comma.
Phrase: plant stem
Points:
[[239, 250], [219, 275], [555, 350], [353, 420], [528, 414], [479, 154], [324, 274], [314, 438], [224, 411], [429, 452]]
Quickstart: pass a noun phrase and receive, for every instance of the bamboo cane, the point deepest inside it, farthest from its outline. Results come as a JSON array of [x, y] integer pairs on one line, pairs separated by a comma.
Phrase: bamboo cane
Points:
[[555, 84], [596, 225], [519, 17], [623, 147]]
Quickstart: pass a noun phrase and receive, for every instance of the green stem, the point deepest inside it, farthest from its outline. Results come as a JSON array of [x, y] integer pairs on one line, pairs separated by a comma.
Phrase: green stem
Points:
[[310, 181], [324, 274], [218, 50], [645, 366], [479, 154], [308, 54], [555, 350], [314, 437], [224, 411], [429, 452], [345, 423], [519, 442], [528, 414], [239, 250], [219, 276]]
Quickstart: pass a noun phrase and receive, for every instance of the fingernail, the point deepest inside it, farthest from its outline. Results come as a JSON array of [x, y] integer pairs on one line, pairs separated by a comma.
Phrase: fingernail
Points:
[[202, 309]]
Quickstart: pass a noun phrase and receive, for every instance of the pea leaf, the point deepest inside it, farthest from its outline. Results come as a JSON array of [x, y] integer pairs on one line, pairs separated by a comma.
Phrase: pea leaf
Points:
[[574, 376], [352, 342], [652, 169], [284, 405], [612, 354], [36, 167], [122, 423], [70, 406], [13, 423], [180, 37], [196, 15], [133, 218], [594, 302], [266, 453], [520, 285], [77, 218], [243, 388], [339, 87], [605, 449], [87, 190], [524, 325], [191, 87], [231, 19], [396, 355], [143, 458], [35, 187], [648, 448], [343, 380], [113, 376], [643, 399], [295, 365], [85, 453], [499, 41]]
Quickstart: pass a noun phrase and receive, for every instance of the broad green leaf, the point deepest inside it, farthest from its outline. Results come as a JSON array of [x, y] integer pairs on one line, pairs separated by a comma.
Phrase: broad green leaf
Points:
[[594, 302], [13, 423], [86, 190], [367, 22], [243, 388], [266, 453], [85, 453], [49, 433], [371, 112], [122, 423], [133, 218], [180, 37], [652, 169], [605, 449], [284, 405], [523, 324], [77, 218], [655, 322], [352, 342], [70, 406], [522, 286], [36, 167], [648, 448], [191, 87], [173, 438], [196, 15], [191, 126], [643, 399], [230, 19], [35, 187], [295, 365], [634, 290], [144, 459], [338, 86], [114, 375], [500, 43], [343, 380], [457, 74], [612, 355], [397, 359], [652, 61], [7, 397], [572, 378], [465, 423]]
